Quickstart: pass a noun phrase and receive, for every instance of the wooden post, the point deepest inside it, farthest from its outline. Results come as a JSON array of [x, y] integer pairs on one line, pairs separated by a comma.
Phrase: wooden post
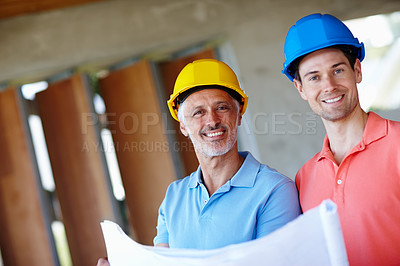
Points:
[[24, 236], [75, 154], [143, 152]]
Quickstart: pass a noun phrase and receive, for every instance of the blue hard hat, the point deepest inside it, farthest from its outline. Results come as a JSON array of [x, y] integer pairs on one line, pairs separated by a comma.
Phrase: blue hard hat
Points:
[[314, 32]]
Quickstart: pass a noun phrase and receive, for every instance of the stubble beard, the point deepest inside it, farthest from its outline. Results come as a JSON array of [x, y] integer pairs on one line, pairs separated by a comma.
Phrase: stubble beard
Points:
[[338, 113], [215, 148]]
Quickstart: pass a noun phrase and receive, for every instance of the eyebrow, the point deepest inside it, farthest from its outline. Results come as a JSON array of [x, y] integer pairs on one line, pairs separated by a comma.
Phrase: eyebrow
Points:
[[338, 64], [333, 66], [201, 106], [310, 73], [196, 108]]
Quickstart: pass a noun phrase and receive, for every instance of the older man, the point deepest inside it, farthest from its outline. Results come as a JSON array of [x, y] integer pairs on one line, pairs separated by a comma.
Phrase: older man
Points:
[[231, 198]]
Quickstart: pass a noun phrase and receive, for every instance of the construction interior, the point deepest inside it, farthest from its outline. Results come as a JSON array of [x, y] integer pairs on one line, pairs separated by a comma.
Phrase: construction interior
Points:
[[91, 79]]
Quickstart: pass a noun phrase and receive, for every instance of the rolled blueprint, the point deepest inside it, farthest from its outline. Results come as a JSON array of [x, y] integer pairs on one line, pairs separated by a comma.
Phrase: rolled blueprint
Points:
[[314, 238]]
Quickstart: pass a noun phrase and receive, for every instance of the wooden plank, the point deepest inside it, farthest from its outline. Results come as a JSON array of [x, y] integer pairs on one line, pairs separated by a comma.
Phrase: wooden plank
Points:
[[169, 72], [24, 238], [142, 148], [74, 152], [11, 8]]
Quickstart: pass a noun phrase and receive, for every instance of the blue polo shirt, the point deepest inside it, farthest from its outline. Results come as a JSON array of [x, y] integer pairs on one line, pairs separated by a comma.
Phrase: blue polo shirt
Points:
[[254, 202]]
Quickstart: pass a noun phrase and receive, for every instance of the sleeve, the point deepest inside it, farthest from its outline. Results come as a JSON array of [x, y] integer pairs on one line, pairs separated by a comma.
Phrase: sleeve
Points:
[[281, 207], [162, 231]]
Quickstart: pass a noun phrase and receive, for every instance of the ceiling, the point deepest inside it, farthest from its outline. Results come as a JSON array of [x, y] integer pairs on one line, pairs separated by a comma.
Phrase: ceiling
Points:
[[13, 8], [42, 38]]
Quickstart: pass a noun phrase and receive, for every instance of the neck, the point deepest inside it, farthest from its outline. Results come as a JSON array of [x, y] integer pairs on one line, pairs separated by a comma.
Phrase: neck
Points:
[[219, 169], [346, 133]]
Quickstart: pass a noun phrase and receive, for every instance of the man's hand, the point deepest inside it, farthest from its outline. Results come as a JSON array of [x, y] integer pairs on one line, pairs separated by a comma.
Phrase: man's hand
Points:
[[103, 262], [164, 245]]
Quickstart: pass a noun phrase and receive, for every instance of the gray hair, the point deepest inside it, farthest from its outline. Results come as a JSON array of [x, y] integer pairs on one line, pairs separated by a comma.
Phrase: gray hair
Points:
[[181, 116]]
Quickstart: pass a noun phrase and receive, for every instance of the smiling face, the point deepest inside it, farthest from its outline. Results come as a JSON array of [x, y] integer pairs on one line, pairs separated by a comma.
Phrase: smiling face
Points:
[[210, 119], [329, 83]]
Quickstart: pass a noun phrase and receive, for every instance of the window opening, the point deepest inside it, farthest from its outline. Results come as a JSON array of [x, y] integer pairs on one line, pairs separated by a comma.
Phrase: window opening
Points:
[[60, 238], [109, 150], [42, 156], [29, 90], [380, 88]]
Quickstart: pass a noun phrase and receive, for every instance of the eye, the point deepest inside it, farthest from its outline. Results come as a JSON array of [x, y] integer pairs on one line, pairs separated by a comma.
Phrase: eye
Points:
[[313, 78], [198, 113], [222, 107], [338, 71]]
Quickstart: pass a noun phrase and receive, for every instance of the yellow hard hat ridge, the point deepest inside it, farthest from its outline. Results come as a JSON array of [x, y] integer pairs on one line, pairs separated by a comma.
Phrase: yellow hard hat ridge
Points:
[[205, 72]]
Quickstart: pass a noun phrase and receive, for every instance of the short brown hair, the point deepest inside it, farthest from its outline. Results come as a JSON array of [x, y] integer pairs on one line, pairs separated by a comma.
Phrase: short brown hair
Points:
[[348, 51]]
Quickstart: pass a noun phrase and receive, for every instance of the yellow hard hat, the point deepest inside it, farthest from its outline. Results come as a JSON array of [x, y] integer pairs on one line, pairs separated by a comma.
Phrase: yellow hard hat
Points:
[[205, 72]]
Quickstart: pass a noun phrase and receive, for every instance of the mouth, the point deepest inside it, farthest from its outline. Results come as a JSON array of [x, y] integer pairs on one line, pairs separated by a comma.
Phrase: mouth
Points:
[[214, 134], [333, 100]]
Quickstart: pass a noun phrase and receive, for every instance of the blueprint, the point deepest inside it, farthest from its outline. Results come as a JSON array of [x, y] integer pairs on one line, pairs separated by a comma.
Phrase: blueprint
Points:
[[314, 238]]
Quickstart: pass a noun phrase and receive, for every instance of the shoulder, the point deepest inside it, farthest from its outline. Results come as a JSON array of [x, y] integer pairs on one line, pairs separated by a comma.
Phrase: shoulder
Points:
[[271, 178], [260, 176], [307, 168], [312, 161], [177, 191], [180, 183], [190, 181], [262, 171], [393, 127], [382, 133]]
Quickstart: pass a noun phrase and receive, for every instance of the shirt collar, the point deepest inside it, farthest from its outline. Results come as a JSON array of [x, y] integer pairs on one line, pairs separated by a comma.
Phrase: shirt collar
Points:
[[375, 129], [326, 150], [245, 177], [195, 178]]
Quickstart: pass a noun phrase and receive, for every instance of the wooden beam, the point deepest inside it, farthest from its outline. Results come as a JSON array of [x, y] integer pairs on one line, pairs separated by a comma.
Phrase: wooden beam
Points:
[[12, 8]]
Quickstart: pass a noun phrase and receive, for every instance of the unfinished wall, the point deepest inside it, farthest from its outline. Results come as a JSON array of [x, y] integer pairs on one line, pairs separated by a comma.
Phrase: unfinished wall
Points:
[[95, 35]]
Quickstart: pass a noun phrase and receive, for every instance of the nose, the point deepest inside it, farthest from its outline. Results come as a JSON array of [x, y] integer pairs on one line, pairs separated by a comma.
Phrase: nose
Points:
[[213, 119], [329, 83]]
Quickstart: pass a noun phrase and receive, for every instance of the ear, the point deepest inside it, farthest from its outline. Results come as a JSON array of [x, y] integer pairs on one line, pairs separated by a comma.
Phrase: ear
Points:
[[299, 87], [357, 71], [183, 129], [239, 119]]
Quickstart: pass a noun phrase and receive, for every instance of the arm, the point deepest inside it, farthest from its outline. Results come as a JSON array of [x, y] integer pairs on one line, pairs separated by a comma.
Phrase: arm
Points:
[[162, 237], [282, 207]]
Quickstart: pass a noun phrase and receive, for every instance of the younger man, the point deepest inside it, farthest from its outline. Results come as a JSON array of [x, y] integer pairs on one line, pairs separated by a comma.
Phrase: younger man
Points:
[[359, 165]]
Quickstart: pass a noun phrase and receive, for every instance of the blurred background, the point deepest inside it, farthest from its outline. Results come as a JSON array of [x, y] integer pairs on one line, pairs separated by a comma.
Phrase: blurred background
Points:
[[85, 131]]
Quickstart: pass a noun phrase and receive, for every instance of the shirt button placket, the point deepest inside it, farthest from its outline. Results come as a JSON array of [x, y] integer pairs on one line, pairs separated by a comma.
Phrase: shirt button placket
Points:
[[339, 187], [204, 199]]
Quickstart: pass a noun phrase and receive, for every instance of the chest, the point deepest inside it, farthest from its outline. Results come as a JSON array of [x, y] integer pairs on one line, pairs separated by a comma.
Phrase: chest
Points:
[[202, 222], [363, 180]]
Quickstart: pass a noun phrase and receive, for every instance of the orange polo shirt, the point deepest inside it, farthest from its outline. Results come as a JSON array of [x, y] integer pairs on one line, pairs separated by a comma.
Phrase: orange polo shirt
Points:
[[366, 189]]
